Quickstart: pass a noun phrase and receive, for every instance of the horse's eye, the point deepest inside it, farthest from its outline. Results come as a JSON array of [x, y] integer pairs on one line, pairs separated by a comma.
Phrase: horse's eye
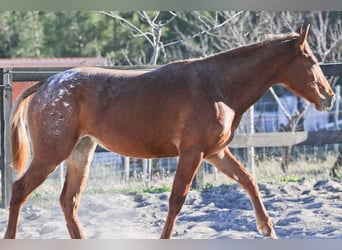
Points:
[[312, 62]]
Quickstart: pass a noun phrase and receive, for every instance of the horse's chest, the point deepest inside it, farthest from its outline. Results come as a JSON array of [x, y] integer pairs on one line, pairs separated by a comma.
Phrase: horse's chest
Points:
[[224, 116], [224, 120]]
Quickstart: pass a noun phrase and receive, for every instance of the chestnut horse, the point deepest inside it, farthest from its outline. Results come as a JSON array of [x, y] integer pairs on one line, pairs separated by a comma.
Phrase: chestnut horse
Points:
[[187, 108]]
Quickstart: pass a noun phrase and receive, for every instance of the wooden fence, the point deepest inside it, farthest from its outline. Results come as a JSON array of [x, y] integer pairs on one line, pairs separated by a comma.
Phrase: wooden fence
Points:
[[10, 75]]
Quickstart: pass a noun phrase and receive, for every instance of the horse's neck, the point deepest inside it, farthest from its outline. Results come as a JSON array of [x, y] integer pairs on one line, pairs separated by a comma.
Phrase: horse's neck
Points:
[[247, 76]]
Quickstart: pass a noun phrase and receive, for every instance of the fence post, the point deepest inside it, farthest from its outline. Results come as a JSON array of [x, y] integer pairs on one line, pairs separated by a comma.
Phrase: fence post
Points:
[[198, 181], [144, 170], [337, 105], [251, 151], [126, 165], [6, 105], [61, 174], [147, 171], [149, 166]]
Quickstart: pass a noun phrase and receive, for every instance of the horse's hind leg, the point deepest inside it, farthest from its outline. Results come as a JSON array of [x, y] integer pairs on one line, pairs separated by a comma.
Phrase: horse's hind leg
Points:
[[76, 177], [21, 189]]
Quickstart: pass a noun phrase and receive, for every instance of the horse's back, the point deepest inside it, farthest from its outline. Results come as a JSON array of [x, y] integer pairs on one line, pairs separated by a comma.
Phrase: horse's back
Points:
[[126, 111]]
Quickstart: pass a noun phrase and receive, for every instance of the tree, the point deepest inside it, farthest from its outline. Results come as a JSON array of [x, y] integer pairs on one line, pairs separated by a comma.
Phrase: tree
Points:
[[21, 34], [155, 28], [327, 35], [153, 33], [76, 33]]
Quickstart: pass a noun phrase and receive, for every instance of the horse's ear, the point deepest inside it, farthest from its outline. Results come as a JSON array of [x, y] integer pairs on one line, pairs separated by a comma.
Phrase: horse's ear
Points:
[[303, 35], [299, 30]]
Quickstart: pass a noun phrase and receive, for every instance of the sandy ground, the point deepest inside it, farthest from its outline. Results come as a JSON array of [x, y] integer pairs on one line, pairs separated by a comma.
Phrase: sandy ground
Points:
[[298, 211]]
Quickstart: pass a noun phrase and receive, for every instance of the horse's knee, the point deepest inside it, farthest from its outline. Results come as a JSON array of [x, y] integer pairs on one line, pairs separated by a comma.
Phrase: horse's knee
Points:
[[176, 202]]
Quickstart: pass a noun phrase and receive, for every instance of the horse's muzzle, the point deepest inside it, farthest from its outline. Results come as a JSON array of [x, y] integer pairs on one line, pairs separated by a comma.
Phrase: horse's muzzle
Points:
[[327, 103]]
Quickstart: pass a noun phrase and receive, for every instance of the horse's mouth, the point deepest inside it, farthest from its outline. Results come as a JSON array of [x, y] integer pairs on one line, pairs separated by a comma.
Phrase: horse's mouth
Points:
[[326, 103]]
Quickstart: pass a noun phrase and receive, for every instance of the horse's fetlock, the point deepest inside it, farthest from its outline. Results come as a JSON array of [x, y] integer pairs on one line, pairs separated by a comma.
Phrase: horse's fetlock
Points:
[[176, 201]]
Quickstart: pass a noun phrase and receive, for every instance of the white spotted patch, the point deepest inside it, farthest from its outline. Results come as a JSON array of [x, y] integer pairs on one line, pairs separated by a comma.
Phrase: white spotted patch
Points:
[[55, 100], [60, 95], [59, 86], [62, 77], [66, 104]]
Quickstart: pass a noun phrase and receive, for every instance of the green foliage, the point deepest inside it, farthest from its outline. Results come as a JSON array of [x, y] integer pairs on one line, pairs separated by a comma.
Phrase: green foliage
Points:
[[207, 186], [337, 177], [20, 34], [134, 190], [292, 179], [189, 34], [160, 189]]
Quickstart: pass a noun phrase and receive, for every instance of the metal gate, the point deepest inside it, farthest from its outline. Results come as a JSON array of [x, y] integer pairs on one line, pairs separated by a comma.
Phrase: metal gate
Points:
[[5, 147]]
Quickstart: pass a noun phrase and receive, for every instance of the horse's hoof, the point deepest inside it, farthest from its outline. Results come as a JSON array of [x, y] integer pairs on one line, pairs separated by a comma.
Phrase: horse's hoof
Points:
[[270, 235], [268, 232]]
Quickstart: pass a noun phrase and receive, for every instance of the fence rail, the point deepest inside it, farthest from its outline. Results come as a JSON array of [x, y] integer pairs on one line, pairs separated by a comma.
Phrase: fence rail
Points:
[[283, 139], [26, 74]]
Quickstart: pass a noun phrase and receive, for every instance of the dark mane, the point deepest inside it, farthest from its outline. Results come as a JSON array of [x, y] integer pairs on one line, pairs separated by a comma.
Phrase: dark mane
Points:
[[271, 39]]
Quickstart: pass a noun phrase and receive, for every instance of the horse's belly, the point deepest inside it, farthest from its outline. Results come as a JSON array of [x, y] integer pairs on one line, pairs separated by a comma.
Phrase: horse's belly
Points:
[[139, 148]]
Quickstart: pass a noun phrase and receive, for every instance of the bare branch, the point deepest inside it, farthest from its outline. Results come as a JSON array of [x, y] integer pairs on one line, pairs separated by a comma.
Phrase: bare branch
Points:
[[281, 106], [228, 20], [199, 17], [203, 31], [173, 17], [131, 25], [156, 17]]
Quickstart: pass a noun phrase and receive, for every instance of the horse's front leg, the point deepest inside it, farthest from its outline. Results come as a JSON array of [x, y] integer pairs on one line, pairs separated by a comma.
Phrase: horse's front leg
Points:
[[189, 161], [227, 163]]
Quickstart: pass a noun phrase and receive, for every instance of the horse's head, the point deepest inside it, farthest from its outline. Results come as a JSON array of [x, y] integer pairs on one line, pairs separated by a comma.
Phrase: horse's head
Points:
[[304, 76]]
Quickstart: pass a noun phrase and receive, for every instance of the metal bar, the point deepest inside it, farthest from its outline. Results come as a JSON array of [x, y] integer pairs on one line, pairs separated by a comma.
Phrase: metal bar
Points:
[[7, 106], [332, 69], [25, 74], [2, 150], [282, 139]]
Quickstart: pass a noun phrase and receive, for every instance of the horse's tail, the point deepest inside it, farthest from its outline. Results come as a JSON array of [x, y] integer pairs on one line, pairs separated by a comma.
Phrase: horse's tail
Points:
[[19, 138]]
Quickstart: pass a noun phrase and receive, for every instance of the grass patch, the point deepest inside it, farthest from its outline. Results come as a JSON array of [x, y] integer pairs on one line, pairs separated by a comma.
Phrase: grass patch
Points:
[[337, 177], [207, 185], [140, 194], [132, 190], [101, 190], [292, 179], [160, 189]]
